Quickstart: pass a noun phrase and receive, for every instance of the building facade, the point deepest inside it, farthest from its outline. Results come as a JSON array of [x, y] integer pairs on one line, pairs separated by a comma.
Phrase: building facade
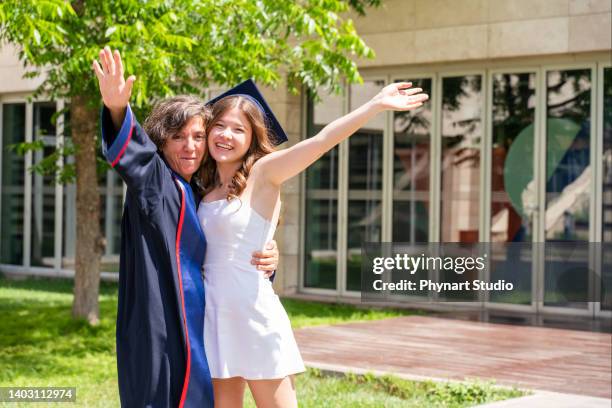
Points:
[[514, 145]]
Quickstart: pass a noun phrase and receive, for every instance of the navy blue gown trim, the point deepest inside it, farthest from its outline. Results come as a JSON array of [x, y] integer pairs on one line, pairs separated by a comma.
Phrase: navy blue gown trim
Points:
[[197, 386], [161, 358], [116, 150]]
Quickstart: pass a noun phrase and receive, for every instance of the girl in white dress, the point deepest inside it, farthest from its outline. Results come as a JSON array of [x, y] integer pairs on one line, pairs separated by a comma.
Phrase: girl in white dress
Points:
[[247, 333]]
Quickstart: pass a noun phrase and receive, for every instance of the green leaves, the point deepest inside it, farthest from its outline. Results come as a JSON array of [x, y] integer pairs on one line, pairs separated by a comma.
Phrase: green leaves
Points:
[[182, 46], [109, 31], [176, 46]]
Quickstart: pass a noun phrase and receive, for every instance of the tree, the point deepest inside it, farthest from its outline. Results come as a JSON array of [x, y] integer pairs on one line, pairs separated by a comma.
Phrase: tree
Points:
[[173, 46]]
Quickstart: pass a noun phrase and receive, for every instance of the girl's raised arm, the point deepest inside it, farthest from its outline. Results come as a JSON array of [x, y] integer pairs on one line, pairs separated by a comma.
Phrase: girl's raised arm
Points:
[[280, 166]]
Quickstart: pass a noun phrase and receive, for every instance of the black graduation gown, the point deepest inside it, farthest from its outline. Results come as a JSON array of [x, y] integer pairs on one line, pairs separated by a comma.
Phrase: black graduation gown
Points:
[[161, 360]]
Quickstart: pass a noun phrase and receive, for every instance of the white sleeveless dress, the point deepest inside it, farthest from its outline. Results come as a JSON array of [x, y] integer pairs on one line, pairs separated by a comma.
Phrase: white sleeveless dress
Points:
[[246, 331]]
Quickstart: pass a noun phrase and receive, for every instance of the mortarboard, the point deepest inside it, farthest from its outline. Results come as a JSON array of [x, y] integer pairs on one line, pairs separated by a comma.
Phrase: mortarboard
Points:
[[248, 90]]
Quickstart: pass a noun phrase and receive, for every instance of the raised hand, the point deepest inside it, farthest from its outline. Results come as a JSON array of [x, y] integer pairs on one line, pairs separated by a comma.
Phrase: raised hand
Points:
[[114, 89], [400, 97]]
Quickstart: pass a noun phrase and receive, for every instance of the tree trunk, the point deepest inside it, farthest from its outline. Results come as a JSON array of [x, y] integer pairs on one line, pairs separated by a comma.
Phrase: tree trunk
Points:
[[89, 240]]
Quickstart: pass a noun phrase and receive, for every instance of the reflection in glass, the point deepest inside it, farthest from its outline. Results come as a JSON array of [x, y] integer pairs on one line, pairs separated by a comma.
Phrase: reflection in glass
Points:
[[461, 138], [364, 225], [13, 166], [568, 181], [411, 161], [512, 186], [69, 227], [321, 210], [364, 184], [43, 188], [606, 296]]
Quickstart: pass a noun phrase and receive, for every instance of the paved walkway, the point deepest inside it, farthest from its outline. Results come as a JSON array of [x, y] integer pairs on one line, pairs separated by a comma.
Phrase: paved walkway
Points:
[[557, 360], [551, 399]]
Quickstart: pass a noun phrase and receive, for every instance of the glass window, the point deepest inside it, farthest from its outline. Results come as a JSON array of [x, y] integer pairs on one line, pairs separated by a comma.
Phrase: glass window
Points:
[[321, 210], [460, 160], [13, 166], [568, 183], [513, 196], [43, 188], [606, 295], [461, 132], [607, 156], [364, 183], [411, 163], [69, 191]]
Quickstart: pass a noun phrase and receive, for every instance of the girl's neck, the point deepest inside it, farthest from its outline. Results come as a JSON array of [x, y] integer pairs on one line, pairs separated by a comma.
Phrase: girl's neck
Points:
[[226, 172]]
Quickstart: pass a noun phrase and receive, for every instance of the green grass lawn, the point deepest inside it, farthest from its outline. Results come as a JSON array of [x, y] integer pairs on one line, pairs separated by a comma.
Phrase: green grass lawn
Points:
[[41, 345]]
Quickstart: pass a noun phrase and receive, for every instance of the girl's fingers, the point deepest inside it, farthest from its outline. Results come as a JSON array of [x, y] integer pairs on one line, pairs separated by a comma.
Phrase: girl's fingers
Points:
[[118, 63], [98, 70], [412, 91], [420, 98], [413, 106], [402, 85]]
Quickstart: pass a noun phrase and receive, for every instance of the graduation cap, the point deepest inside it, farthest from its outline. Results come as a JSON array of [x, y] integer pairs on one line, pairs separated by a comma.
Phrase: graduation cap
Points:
[[248, 90]]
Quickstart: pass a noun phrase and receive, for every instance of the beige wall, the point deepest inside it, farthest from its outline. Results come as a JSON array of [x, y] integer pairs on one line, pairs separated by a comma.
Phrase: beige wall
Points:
[[287, 108], [11, 73], [430, 31], [410, 32]]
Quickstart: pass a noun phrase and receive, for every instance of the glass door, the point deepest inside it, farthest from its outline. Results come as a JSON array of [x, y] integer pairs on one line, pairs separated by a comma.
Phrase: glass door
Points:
[[566, 217], [513, 198]]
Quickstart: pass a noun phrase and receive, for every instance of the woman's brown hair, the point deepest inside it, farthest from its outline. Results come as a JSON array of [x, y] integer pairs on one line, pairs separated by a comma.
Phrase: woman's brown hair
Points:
[[260, 145]]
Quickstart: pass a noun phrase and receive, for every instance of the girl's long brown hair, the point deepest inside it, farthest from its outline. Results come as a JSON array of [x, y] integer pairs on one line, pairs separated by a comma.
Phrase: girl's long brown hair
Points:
[[260, 145]]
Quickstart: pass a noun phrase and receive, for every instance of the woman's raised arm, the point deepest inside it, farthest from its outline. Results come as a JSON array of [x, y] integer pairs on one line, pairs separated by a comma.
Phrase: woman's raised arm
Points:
[[280, 166], [114, 89]]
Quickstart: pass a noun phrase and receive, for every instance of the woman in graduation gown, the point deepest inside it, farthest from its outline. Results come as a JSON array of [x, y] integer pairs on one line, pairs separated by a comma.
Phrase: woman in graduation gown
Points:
[[160, 318]]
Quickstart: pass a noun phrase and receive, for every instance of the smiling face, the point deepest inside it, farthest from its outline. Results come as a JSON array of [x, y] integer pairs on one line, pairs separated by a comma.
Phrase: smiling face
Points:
[[185, 149], [229, 137]]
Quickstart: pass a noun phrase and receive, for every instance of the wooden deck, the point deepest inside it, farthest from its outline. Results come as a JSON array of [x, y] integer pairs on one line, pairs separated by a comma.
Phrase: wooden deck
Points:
[[567, 361]]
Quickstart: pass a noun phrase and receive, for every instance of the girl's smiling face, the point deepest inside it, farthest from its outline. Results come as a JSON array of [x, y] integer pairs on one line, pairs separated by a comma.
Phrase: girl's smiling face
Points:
[[229, 137]]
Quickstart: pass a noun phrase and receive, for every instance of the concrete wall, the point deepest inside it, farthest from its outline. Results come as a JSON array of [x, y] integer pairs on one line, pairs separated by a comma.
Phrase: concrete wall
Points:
[[408, 32], [11, 73], [417, 32], [431, 31], [287, 108]]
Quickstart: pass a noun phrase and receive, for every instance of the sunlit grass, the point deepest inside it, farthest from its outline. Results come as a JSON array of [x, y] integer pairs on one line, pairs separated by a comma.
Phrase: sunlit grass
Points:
[[41, 345]]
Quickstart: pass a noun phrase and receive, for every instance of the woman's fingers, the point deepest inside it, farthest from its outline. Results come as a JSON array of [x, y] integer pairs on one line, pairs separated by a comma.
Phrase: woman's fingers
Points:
[[103, 63], [264, 258], [98, 70], [270, 268], [129, 83], [267, 261], [111, 61], [118, 63]]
